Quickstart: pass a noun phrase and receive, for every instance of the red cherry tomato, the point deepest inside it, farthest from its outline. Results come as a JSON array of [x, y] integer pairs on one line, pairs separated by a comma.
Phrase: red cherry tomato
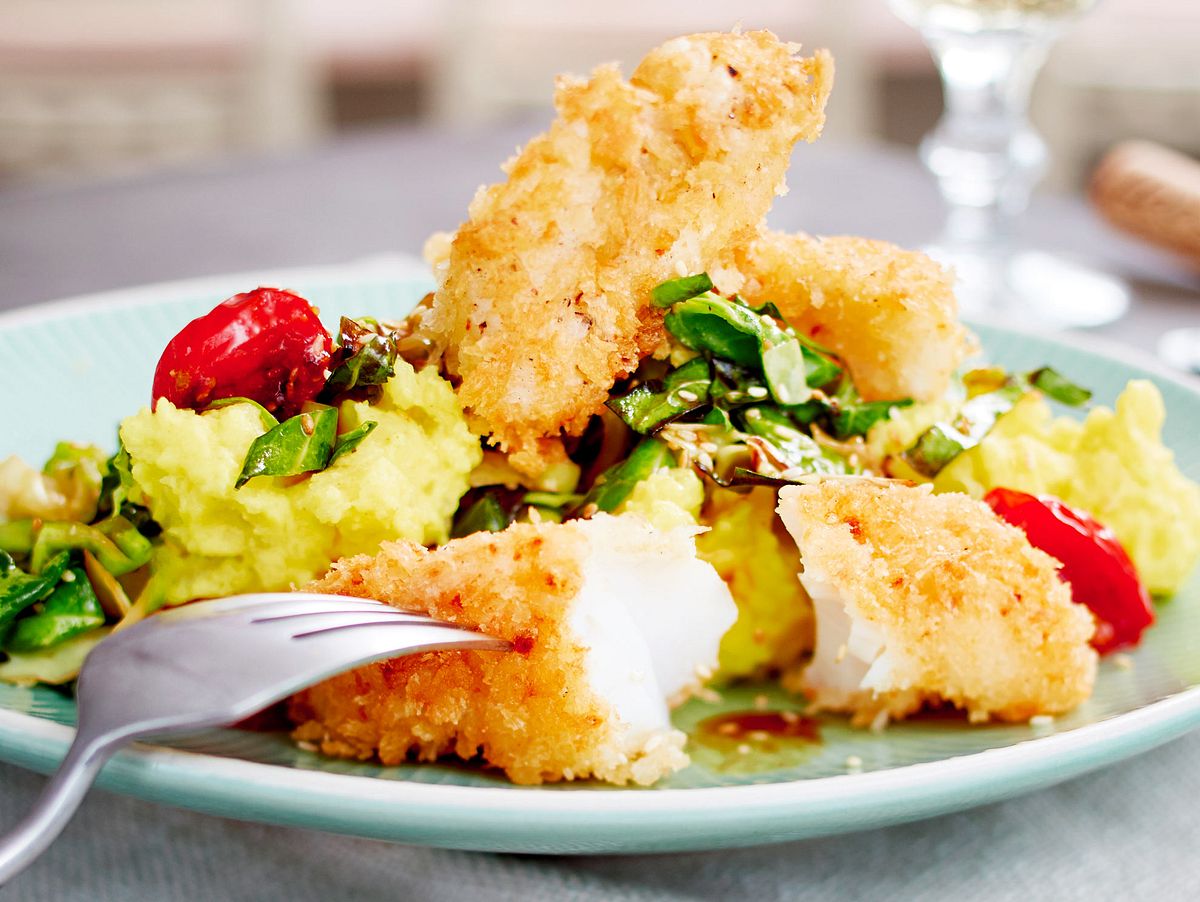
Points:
[[266, 344], [1100, 573]]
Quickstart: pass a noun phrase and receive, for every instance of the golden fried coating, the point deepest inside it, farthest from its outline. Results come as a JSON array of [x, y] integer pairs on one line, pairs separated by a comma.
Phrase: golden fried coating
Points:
[[544, 292], [932, 598], [889, 313], [551, 709]]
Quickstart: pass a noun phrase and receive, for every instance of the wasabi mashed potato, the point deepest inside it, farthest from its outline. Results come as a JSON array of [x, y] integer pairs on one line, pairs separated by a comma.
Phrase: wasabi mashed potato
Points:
[[1113, 465], [403, 481]]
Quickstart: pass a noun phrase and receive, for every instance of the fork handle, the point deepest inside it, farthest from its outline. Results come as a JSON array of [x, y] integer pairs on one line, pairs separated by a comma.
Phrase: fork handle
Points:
[[58, 801]]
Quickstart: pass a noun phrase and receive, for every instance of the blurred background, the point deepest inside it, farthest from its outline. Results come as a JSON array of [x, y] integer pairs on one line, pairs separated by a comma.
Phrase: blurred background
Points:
[[100, 87]]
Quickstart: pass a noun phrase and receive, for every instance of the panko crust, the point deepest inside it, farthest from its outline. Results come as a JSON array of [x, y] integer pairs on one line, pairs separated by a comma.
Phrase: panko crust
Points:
[[889, 313], [971, 613], [544, 293], [530, 711]]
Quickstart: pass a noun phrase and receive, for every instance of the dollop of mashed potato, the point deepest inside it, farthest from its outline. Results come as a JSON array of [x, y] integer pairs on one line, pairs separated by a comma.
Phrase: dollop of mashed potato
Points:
[[748, 547], [402, 482], [667, 498], [1112, 465]]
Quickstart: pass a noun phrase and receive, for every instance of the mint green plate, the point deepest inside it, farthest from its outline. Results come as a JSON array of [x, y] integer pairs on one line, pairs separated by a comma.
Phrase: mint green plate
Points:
[[74, 369]]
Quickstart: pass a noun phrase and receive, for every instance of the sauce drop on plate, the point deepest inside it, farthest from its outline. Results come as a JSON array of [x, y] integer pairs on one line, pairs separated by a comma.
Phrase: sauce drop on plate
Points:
[[759, 726]]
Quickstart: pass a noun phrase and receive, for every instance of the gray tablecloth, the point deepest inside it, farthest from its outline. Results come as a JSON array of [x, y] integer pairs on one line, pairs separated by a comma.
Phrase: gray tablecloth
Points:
[[1129, 831]]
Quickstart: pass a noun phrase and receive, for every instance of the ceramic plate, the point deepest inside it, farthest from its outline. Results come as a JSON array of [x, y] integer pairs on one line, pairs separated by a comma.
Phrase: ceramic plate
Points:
[[71, 370]]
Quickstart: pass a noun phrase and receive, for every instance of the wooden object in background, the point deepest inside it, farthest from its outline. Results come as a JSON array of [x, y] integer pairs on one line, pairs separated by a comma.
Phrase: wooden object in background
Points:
[[1153, 192]]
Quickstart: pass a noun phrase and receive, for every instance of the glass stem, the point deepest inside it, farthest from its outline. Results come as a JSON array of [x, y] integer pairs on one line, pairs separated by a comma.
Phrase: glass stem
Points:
[[984, 152]]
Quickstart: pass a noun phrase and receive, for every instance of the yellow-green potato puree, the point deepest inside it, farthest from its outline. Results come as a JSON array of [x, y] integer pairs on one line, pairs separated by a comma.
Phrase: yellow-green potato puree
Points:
[[403, 481], [748, 546], [1113, 465], [667, 498]]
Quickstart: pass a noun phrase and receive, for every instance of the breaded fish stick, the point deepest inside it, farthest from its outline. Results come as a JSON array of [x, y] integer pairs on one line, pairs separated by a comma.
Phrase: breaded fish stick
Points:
[[932, 598], [544, 295], [610, 620], [889, 313]]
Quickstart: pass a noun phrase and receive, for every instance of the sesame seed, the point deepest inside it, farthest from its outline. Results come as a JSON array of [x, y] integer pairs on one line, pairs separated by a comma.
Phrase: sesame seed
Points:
[[761, 702], [1041, 720], [1122, 661], [790, 717], [759, 735], [841, 653], [757, 391], [306, 746], [68, 577], [535, 515], [728, 729], [853, 763], [688, 397], [744, 749], [590, 510], [708, 695], [306, 423]]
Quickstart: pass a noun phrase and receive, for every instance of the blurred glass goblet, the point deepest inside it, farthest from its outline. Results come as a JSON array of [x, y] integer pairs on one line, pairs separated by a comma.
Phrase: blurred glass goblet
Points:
[[987, 157]]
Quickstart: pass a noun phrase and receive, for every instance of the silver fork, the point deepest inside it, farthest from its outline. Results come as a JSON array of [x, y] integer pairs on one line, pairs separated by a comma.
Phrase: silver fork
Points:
[[210, 664]]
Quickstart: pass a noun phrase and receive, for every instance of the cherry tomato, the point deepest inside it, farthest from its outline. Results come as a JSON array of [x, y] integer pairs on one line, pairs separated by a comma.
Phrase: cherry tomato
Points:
[[267, 345], [1100, 573]]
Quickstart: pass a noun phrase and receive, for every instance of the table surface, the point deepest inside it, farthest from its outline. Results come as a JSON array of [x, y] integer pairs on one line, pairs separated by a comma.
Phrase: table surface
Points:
[[1128, 830]]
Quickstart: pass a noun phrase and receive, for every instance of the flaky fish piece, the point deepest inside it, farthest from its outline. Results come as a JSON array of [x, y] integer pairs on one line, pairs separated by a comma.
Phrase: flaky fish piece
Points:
[[924, 598], [891, 314], [544, 294], [610, 621]]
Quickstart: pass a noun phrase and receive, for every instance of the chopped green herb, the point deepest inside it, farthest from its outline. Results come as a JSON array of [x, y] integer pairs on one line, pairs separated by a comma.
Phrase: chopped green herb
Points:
[[1057, 386], [819, 368], [616, 483], [857, 418], [117, 487], [552, 500], [729, 330], [347, 442], [116, 543], [767, 309], [364, 358], [722, 328], [943, 442], [786, 371], [736, 386], [651, 404], [936, 447], [677, 290], [72, 608], [302, 444], [791, 448], [485, 515], [19, 590]]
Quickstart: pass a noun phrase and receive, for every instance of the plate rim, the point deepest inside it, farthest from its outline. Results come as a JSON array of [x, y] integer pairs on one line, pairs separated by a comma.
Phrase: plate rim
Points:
[[840, 802], [1169, 717]]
